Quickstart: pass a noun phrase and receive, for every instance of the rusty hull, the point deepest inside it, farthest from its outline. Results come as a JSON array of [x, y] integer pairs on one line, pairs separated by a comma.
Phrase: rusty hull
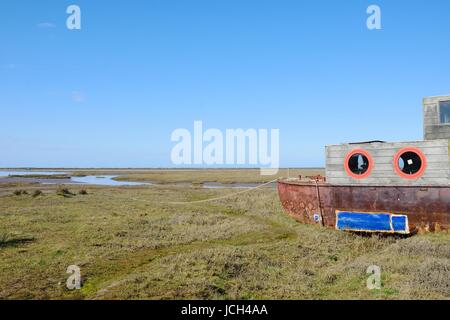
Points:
[[427, 208]]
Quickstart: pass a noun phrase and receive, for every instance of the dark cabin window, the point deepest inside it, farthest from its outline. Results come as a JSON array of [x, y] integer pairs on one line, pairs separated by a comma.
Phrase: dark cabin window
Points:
[[444, 110], [358, 164], [410, 162]]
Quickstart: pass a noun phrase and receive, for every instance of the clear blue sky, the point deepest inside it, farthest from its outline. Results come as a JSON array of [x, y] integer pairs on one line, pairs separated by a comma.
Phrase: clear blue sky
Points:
[[110, 95]]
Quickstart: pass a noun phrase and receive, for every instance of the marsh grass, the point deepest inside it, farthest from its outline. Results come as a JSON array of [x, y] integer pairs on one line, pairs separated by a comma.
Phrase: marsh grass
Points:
[[37, 193], [4, 237], [65, 192], [20, 192], [7, 239], [134, 243]]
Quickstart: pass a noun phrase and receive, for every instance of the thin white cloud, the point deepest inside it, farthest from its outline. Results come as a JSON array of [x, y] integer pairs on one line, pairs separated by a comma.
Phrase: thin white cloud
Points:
[[46, 25]]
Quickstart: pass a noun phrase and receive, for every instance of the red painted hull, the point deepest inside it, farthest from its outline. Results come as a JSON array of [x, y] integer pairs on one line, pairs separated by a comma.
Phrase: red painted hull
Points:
[[427, 208]]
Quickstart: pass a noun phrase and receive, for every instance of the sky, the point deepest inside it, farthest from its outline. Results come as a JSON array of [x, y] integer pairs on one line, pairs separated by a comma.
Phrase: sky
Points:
[[111, 94]]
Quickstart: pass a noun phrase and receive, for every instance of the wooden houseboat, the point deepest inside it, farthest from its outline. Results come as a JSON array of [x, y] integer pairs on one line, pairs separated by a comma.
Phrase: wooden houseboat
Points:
[[376, 186]]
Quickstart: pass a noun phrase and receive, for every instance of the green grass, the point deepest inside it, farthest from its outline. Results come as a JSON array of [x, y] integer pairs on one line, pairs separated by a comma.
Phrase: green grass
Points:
[[132, 243]]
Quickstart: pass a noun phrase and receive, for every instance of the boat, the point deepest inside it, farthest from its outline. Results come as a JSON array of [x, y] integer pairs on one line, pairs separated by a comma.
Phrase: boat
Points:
[[378, 186]]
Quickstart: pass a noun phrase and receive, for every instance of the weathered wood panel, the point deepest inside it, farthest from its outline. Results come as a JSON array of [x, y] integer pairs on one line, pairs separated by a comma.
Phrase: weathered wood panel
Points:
[[437, 132], [436, 152], [387, 161], [432, 126]]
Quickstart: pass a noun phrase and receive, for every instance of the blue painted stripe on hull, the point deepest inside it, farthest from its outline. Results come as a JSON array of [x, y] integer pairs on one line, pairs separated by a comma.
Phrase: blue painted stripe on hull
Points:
[[400, 223], [371, 222], [364, 221]]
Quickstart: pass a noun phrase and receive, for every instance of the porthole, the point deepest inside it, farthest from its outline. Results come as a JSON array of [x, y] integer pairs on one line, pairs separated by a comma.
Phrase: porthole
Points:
[[410, 163], [358, 164]]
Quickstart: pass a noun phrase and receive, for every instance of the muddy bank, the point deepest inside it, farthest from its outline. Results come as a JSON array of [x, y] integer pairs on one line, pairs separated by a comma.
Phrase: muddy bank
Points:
[[35, 180]]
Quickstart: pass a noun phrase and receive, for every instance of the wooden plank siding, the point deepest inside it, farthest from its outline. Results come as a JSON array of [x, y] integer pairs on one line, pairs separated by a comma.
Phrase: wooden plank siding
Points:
[[432, 127], [383, 173]]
